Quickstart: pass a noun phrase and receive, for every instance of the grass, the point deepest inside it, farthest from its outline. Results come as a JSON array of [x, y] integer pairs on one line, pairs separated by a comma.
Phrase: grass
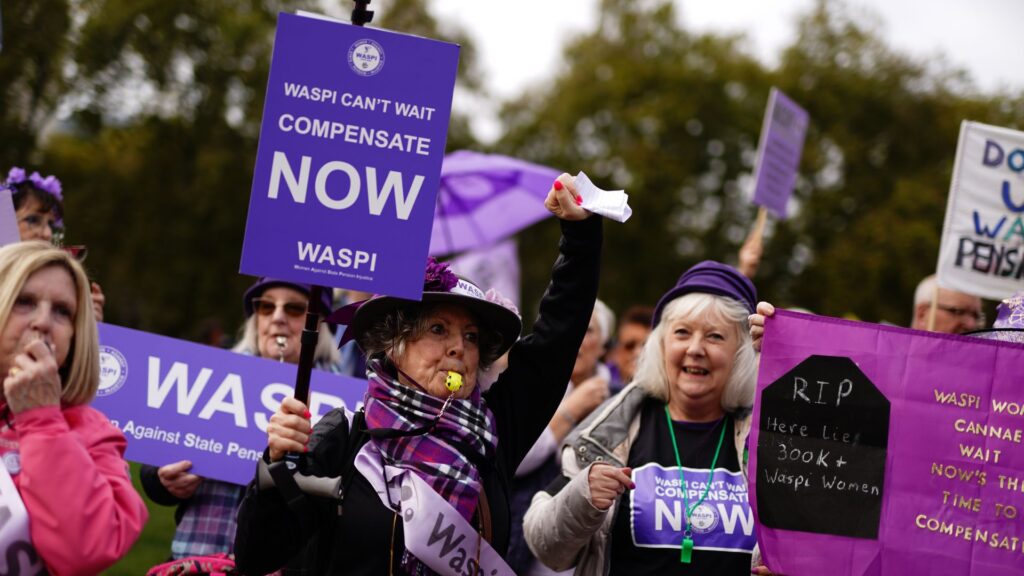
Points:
[[154, 545]]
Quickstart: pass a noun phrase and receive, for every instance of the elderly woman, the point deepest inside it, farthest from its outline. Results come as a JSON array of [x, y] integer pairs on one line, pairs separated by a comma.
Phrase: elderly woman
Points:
[[431, 459], [39, 210], [72, 509], [654, 482], [275, 311]]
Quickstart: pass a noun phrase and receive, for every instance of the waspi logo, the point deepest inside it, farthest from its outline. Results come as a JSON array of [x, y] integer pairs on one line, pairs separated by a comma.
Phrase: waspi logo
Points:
[[113, 371], [366, 57]]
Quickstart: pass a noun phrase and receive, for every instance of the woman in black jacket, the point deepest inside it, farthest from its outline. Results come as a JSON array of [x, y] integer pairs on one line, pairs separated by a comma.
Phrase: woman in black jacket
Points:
[[428, 474]]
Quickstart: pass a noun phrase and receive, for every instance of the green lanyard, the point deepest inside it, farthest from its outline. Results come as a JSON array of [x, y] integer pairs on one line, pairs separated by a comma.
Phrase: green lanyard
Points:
[[686, 549]]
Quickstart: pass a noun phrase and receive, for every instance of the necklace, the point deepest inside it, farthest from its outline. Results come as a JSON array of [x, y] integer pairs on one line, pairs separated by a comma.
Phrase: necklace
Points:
[[686, 548]]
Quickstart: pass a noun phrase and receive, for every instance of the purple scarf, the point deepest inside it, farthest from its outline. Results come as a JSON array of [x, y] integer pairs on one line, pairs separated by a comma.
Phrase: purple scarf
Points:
[[444, 456]]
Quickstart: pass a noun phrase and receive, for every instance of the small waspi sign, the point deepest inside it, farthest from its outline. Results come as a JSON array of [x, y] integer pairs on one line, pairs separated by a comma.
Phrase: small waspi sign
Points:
[[349, 160]]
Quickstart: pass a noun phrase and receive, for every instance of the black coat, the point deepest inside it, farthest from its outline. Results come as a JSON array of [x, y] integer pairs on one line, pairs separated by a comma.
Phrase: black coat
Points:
[[367, 535]]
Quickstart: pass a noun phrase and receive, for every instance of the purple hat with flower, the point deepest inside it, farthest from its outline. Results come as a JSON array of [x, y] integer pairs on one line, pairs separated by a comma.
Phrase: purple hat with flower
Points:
[[1009, 324], [710, 277], [440, 286]]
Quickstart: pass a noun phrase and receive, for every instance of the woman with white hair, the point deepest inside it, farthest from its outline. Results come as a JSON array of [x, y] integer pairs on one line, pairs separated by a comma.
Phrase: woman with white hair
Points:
[[67, 499], [655, 482]]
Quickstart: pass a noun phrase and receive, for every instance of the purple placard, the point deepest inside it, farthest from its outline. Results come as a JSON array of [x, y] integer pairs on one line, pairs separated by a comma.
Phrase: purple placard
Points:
[[951, 490], [778, 153], [349, 159], [176, 400], [8, 219]]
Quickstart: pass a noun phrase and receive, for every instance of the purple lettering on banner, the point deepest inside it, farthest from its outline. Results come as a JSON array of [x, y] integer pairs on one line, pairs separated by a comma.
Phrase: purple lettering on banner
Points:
[[349, 161], [722, 522], [779, 151], [953, 479], [176, 400]]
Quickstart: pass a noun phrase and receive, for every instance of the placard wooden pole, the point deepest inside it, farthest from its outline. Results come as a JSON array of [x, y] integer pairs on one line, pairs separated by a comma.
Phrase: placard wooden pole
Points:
[[932, 309]]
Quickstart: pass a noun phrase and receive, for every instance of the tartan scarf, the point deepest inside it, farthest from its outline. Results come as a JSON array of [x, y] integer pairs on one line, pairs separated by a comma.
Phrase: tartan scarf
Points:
[[208, 525], [448, 456]]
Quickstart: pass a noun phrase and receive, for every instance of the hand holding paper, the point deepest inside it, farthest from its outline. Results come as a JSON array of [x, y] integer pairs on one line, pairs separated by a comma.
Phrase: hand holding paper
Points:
[[608, 203]]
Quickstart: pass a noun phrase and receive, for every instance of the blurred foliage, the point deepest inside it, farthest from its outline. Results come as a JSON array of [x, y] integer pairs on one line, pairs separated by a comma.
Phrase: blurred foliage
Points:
[[674, 117], [35, 36]]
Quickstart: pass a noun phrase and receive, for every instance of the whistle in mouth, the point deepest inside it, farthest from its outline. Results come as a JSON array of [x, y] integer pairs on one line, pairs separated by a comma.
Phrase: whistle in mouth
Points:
[[453, 381]]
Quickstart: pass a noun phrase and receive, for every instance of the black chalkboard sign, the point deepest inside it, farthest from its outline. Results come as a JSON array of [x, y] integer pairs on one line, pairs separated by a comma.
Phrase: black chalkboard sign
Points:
[[824, 432]]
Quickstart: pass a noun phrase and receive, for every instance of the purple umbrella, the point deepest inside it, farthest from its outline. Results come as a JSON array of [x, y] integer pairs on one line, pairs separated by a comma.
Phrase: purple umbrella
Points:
[[485, 198]]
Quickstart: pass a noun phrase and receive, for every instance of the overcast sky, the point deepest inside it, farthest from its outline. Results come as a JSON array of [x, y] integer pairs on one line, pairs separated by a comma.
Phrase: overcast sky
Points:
[[520, 41]]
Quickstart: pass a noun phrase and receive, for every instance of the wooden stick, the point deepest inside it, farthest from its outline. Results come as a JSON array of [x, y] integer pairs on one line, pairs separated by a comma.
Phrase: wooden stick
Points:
[[934, 307], [762, 219], [754, 243]]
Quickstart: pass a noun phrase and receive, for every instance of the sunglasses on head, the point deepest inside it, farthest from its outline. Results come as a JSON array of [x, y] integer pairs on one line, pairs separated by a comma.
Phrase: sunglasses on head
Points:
[[268, 307]]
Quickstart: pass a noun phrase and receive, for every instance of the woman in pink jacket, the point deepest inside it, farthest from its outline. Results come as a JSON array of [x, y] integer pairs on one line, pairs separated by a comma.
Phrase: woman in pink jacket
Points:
[[65, 494]]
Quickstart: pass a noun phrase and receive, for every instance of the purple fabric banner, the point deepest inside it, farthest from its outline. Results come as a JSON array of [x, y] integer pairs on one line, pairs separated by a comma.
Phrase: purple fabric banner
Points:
[[349, 160], [878, 450], [779, 151], [176, 400]]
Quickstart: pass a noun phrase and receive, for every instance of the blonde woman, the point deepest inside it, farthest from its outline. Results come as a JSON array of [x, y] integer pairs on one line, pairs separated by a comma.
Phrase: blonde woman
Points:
[[74, 510]]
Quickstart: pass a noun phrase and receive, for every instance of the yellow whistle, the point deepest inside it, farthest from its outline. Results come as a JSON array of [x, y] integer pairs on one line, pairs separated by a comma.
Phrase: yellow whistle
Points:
[[453, 382]]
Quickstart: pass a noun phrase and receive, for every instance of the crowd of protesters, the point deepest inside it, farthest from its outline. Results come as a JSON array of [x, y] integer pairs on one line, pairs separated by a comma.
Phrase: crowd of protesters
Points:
[[529, 444]]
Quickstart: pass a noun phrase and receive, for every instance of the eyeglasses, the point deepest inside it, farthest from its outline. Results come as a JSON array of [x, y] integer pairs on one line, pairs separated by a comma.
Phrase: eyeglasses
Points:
[[39, 221], [268, 307], [977, 315]]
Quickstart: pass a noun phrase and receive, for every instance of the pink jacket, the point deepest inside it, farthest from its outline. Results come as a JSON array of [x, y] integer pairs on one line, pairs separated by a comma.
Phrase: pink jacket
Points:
[[83, 512]]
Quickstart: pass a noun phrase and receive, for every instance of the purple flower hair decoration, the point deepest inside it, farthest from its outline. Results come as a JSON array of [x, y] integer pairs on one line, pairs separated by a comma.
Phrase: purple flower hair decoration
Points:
[[15, 176], [50, 184], [438, 277]]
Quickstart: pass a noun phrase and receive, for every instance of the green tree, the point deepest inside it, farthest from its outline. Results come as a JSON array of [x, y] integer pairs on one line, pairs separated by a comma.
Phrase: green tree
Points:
[[877, 164], [35, 44], [670, 116], [674, 117]]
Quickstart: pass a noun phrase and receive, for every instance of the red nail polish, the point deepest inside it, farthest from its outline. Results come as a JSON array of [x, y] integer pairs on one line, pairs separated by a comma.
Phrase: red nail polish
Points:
[[558, 185], [308, 414], [305, 448], [579, 200]]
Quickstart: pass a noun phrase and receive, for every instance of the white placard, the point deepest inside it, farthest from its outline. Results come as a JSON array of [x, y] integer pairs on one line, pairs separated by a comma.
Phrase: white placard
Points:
[[982, 249]]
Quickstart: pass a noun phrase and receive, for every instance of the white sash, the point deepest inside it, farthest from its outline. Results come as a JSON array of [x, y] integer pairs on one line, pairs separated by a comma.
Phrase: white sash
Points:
[[435, 533], [17, 555]]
